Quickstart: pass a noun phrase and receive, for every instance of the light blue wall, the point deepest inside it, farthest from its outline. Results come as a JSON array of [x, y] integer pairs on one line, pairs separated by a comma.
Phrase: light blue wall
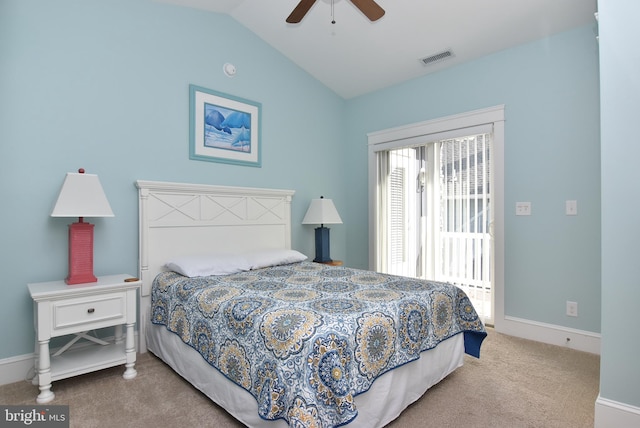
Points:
[[620, 89], [103, 85], [550, 92]]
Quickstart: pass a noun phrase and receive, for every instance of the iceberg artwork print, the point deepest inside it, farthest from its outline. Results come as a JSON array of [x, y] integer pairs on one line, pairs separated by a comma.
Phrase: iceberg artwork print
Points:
[[227, 129], [223, 128]]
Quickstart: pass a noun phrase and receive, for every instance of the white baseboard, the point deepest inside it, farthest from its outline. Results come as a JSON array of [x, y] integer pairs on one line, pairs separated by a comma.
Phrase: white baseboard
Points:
[[611, 413], [549, 333], [16, 369]]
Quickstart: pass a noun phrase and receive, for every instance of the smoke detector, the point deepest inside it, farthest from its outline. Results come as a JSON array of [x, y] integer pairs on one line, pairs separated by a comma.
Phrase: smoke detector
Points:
[[229, 69]]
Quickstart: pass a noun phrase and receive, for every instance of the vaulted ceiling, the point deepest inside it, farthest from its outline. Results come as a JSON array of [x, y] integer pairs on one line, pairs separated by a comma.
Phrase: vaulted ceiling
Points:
[[354, 56]]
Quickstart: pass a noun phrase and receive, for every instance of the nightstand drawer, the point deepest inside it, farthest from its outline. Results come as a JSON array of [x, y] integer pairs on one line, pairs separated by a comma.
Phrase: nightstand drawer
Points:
[[89, 312]]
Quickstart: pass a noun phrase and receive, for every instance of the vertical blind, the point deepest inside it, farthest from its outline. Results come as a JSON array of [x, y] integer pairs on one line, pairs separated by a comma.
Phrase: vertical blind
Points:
[[434, 212]]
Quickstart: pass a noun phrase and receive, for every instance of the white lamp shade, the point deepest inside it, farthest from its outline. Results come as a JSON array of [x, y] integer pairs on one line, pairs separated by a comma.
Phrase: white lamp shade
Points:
[[81, 195], [322, 211]]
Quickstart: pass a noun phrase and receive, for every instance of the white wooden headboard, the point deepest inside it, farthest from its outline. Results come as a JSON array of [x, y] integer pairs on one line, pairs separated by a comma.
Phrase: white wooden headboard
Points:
[[179, 219]]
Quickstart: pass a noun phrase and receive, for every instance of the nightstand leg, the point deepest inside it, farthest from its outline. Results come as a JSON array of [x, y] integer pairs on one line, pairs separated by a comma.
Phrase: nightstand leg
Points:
[[36, 362], [130, 350], [44, 374], [118, 333]]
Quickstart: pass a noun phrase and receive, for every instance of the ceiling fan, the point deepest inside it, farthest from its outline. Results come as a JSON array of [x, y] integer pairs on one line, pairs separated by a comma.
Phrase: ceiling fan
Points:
[[370, 8]]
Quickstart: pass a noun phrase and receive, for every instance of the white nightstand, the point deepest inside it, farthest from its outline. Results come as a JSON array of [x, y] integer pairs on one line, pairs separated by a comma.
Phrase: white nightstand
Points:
[[61, 309]]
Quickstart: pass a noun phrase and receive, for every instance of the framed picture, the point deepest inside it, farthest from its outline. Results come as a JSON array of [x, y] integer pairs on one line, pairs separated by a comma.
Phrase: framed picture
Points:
[[223, 128]]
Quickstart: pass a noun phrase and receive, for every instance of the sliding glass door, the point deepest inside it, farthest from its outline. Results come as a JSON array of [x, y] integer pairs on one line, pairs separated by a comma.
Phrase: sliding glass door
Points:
[[434, 213]]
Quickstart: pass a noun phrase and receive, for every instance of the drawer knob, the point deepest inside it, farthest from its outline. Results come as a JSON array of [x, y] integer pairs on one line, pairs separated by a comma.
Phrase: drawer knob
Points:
[[90, 310]]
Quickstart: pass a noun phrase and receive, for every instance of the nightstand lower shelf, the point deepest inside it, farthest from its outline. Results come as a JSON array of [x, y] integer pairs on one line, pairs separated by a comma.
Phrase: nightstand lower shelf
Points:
[[87, 358]]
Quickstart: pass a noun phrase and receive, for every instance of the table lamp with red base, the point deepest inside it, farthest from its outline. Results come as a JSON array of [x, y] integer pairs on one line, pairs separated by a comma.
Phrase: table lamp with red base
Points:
[[81, 196]]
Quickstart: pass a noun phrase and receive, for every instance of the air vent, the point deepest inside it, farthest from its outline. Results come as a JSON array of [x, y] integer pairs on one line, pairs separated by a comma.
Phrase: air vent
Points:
[[437, 57]]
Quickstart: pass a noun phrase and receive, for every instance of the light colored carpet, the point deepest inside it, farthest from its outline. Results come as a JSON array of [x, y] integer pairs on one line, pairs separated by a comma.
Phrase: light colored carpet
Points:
[[516, 383]]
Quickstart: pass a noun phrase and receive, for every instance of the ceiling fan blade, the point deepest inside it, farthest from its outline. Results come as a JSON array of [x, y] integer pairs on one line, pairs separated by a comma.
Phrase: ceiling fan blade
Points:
[[370, 8], [300, 11]]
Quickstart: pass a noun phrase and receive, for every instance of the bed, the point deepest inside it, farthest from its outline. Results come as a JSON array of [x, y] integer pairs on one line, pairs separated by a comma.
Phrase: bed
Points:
[[281, 341]]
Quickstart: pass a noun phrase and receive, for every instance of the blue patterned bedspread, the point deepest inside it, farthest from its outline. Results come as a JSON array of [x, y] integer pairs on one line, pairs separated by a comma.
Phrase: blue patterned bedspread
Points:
[[305, 338]]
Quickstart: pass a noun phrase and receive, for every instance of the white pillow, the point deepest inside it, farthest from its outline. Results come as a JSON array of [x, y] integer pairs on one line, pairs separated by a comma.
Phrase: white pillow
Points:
[[205, 265], [273, 257]]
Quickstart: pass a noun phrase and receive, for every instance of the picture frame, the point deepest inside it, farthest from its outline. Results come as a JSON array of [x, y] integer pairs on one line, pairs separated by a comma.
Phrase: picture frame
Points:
[[224, 128]]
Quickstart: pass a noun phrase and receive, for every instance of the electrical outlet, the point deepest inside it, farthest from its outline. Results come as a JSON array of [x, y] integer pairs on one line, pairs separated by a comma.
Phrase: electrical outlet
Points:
[[523, 208], [572, 309]]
